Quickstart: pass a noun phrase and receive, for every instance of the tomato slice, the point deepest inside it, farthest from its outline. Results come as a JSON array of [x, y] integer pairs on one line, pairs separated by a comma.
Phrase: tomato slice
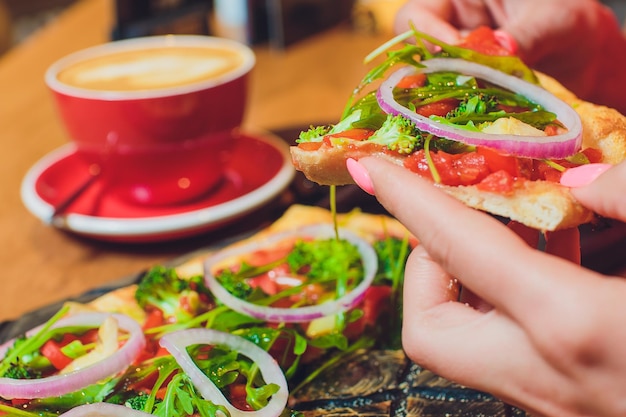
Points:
[[497, 161], [355, 134], [413, 81], [52, 351], [471, 168], [594, 155], [438, 108], [237, 397], [310, 146], [154, 318], [484, 40], [551, 130], [500, 182], [375, 304], [453, 169]]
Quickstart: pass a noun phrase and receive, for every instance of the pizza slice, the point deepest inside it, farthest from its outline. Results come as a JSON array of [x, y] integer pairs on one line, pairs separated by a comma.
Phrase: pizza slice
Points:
[[477, 122]]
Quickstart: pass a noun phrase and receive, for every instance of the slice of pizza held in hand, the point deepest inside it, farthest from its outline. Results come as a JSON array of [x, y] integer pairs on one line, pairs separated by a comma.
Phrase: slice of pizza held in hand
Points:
[[476, 121]]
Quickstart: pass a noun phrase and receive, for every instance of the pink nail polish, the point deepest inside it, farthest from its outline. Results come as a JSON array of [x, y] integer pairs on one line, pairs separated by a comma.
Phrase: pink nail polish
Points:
[[360, 176], [583, 175]]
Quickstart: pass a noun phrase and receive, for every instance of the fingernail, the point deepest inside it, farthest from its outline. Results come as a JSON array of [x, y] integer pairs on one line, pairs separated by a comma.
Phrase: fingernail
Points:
[[360, 176], [583, 175], [506, 40]]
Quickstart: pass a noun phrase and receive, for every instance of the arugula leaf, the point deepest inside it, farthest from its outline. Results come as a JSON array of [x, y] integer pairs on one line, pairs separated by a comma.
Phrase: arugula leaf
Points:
[[539, 119], [16, 412], [181, 400], [29, 346], [406, 55], [91, 394], [512, 65]]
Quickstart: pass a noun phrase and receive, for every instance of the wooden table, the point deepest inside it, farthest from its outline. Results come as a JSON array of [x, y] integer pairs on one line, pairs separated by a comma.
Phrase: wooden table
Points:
[[308, 82]]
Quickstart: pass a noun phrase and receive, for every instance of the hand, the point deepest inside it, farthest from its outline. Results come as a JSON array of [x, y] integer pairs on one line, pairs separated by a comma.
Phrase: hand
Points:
[[552, 339], [578, 42]]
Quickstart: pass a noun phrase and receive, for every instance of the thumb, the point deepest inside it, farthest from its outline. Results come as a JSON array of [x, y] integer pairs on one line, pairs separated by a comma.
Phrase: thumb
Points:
[[604, 194]]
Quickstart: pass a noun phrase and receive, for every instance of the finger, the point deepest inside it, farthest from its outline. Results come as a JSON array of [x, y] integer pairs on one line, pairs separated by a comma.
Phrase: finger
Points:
[[428, 16], [460, 343], [487, 352], [470, 245], [605, 195], [430, 304], [470, 14], [457, 341], [426, 284]]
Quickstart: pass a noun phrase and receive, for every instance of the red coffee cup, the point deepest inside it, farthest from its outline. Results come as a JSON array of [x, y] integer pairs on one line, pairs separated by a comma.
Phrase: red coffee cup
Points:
[[154, 115]]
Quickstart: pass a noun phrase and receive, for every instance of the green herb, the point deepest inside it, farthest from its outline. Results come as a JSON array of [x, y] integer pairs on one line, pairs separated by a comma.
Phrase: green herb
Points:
[[181, 399], [90, 394], [25, 350], [512, 65], [430, 162], [398, 134], [363, 342], [16, 412], [317, 133], [326, 260], [137, 402], [178, 298], [329, 261]]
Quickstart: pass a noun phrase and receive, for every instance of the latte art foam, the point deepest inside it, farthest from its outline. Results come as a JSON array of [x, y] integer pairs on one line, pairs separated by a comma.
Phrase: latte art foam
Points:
[[150, 69]]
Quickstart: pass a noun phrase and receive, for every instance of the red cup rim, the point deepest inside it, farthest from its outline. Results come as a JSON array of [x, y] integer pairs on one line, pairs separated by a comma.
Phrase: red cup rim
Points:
[[159, 41]]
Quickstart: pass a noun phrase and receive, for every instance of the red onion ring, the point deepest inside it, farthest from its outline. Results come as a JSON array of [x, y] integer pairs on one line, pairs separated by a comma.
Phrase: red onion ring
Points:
[[103, 410], [300, 314], [57, 385], [539, 147], [177, 342]]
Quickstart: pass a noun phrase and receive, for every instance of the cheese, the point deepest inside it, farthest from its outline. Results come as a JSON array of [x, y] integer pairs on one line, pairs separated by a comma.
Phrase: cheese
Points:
[[512, 126]]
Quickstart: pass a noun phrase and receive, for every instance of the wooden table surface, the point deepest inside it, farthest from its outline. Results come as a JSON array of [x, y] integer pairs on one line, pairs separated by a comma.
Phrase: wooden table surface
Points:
[[307, 82]]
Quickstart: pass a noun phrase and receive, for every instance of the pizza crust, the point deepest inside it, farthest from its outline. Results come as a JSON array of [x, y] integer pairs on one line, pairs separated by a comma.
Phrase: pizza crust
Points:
[[328, 165], [541, 205], [604, 128]]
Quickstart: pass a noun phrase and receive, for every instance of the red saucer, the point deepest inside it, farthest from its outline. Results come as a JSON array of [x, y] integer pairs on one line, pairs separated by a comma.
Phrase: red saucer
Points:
[[258, 168]]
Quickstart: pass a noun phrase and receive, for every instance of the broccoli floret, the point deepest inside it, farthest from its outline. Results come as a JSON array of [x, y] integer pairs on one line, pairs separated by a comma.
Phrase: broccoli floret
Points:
[[472, 106], [398, 134], [314, 134], [137, 402], [178, 298], [234, 283], [317, 133], [22, 372]]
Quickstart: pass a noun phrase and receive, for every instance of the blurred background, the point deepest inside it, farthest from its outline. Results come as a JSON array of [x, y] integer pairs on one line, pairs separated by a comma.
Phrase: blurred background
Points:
[[277, 22]]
